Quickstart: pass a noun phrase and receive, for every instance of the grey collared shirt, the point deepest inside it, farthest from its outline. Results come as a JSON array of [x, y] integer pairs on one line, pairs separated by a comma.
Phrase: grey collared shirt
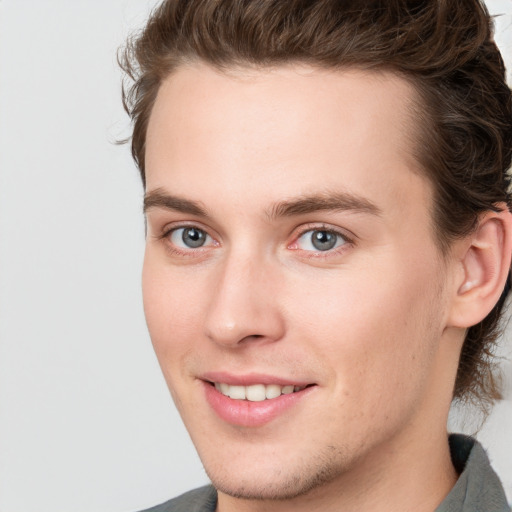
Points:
[[478, 488]]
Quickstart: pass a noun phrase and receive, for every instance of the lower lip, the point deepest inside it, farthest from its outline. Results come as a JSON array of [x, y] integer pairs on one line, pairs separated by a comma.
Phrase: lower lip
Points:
[[245, 413]]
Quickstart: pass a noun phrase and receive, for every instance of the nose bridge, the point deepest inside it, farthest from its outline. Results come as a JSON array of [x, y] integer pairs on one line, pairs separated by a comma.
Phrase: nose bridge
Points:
[[245, 303]]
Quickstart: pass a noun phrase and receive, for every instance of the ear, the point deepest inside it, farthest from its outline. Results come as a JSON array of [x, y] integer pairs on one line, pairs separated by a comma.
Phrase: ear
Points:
[[485, 259]]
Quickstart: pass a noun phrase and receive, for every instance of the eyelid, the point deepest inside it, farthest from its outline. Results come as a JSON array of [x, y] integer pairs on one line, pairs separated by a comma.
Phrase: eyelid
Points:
[[173, 237], [346, 235], [298, 232], [186, 252], [173, 226]]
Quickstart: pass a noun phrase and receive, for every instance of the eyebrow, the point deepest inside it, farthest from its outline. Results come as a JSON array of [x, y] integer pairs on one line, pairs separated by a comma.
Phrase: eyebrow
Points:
[[338, 201], [159, 199]]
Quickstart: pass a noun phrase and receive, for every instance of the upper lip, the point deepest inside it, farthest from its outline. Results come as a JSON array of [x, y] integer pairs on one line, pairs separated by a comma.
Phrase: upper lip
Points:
[[249, 379]]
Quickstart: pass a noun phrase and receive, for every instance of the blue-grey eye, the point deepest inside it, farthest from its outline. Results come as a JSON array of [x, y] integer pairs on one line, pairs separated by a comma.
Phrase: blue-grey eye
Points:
[[190, 238], [320, 240]]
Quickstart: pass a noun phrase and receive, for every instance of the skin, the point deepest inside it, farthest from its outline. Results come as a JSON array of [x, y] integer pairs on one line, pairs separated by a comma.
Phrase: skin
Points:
[[367, 322]]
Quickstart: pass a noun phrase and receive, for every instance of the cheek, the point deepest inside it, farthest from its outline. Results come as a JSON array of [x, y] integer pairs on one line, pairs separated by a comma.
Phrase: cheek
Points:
[[173, 317], [373, 328], [172, 308]]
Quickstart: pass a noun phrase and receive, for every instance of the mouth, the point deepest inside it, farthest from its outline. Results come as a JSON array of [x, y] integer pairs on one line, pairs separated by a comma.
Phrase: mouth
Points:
[[253, 400], [256, 392]]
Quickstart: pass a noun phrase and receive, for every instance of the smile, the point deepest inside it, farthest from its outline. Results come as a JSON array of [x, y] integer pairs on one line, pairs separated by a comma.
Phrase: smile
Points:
[[256, 392], [253, 400]]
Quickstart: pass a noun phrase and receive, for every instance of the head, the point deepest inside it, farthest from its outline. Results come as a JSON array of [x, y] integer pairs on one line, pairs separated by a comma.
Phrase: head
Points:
[[463, 106], [455, 134]]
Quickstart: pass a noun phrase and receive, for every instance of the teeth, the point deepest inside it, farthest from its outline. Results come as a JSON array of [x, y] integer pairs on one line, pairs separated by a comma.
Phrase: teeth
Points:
[[255, 392], [272, 391], [237, 392]]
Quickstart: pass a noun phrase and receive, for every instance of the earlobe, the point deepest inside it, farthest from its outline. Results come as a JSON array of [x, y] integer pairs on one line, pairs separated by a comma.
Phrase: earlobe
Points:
[[486, 265]]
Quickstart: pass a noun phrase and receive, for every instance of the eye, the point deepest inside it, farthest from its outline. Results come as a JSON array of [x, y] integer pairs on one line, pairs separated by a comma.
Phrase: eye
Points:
[[189, 238], [320, 240]]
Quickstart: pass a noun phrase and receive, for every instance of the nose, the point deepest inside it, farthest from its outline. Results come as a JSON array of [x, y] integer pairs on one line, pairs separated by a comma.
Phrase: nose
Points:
[[245, 306]]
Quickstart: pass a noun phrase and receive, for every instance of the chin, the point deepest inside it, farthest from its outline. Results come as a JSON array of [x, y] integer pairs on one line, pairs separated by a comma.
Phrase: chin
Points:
[[284, 482]]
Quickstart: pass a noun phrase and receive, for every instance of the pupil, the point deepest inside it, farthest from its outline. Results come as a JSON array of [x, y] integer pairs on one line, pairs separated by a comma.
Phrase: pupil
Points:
[[193, 237], [323, 240]]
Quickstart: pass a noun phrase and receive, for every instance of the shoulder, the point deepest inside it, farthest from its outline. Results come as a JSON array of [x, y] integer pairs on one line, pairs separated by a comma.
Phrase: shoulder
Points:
[[203, 499]]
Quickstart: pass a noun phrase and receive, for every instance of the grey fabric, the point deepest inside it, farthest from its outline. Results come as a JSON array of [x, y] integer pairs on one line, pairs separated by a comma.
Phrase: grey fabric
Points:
[[203, 499], [478, 488]]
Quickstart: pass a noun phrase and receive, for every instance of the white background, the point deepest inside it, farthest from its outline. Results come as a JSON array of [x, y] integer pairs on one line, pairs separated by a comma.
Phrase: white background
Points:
[[86, 422]]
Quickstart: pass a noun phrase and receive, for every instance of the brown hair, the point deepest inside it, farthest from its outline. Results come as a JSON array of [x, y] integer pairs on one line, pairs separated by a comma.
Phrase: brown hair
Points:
[[445, 48]]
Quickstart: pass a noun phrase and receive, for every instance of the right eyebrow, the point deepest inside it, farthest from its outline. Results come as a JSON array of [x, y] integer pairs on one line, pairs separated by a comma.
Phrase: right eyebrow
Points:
[[159, 199]]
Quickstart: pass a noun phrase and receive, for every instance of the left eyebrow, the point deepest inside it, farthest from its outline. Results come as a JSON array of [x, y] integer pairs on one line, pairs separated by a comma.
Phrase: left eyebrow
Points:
[[339, 201]]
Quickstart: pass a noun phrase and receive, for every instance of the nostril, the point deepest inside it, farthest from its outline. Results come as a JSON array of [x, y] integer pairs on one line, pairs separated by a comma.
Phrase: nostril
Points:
[[252, 337]]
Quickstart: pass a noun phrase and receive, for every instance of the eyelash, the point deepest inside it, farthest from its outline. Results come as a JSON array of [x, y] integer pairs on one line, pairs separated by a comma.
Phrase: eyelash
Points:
[[347, 241], [190, 252], [198, 252]]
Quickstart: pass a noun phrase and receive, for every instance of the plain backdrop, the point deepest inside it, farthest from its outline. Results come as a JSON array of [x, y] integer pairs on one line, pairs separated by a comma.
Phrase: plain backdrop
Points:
[[86, 421]]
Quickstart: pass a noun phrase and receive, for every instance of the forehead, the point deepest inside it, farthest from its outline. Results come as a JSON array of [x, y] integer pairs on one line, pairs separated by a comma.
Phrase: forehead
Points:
[[284, 131], [286, 101]]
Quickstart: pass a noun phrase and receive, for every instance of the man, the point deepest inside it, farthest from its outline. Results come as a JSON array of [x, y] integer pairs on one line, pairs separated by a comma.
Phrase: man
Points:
[[328, 241]]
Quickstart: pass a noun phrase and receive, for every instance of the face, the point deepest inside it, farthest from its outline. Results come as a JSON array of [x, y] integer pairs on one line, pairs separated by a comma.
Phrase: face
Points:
[[293, 288]]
